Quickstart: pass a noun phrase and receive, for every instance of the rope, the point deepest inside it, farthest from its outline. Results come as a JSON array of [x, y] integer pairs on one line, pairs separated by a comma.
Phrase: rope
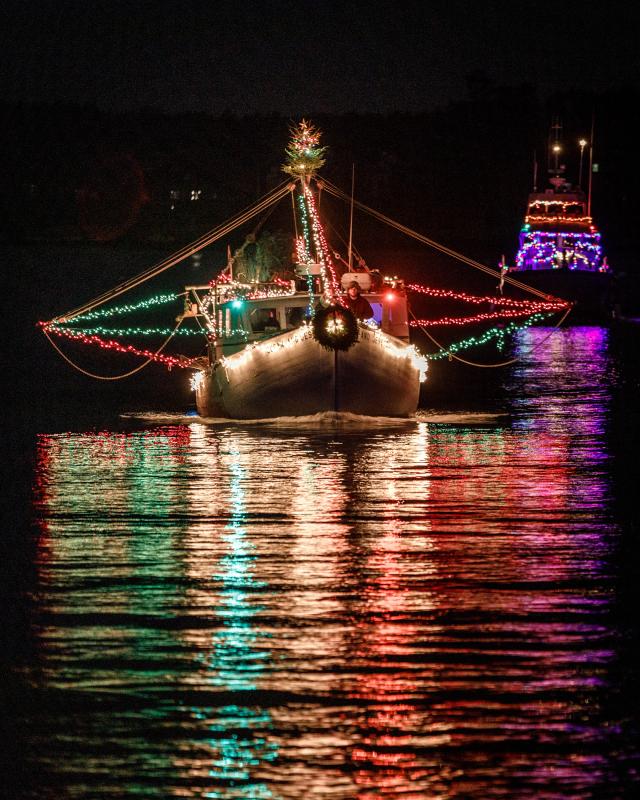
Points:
[[354, 250], [435, 245], [180, 255], [252, 237], [488, 366], [262, 221], [112, 377], [295, 219]]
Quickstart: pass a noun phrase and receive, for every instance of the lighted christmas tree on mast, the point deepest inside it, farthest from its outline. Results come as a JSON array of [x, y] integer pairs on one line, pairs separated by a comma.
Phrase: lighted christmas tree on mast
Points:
[[304, 156], [304, 159]]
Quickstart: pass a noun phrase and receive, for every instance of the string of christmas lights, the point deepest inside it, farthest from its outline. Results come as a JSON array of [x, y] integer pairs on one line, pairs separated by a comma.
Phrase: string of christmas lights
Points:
[[532, 306], [168, 361], [161, 299], [493, 333], [303, 251], [329, 279], [266, 348], [554, 250], [459, 321], [234, 290], [562, 204], [410, 351], [265, 294], [537, 219], [303, 244], [130, 331]]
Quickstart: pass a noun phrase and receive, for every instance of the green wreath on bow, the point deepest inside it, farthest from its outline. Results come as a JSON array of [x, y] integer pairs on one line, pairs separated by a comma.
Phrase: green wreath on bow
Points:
[[335, 327]]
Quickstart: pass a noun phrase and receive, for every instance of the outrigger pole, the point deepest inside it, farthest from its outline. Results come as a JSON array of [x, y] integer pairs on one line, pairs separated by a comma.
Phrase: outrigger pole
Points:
[[213, 235], [336, 192]]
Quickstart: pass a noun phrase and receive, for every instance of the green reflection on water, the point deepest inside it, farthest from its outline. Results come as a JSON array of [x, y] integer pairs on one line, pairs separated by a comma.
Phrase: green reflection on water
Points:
[[237, 660]]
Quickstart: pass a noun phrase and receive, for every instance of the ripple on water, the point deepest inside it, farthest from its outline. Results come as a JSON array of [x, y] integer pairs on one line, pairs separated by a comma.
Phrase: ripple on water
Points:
[[335, 606]]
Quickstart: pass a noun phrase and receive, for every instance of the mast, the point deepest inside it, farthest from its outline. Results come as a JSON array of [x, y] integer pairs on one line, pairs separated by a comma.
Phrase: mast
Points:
[[353, 178], [590, 166], [554, 135]]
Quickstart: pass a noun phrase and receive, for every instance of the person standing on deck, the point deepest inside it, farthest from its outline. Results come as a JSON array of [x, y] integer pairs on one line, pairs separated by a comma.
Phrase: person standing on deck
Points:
[[356, 303]]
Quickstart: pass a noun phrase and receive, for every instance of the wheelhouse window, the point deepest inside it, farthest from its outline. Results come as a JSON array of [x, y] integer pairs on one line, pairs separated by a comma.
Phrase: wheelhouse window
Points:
[[264, 320]]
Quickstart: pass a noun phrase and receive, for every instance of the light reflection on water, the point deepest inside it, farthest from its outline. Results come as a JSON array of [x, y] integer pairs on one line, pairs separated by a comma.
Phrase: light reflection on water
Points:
[[411, 610]]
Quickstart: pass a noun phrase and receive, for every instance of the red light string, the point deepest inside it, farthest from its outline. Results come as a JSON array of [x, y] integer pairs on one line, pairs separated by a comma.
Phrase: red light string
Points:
[[321, 246], [506, 314], [111, 344], [531, 305]]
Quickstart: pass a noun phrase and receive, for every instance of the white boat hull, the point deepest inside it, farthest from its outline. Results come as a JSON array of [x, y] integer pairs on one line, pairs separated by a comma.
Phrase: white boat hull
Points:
[[291, 374]]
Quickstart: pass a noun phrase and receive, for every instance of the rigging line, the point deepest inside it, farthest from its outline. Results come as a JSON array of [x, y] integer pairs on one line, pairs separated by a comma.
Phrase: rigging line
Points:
[[337, 234], [205, 332], [254, 232], [435, 245], [112, 377], [262, 221], [147, 275], [425, 240], [490, 366], [170, 261]]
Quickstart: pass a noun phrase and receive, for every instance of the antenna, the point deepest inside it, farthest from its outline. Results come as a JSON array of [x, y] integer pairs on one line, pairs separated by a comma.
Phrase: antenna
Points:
[[353, 180], [535, 171], [593, 115], [556, 147], [582, 143]]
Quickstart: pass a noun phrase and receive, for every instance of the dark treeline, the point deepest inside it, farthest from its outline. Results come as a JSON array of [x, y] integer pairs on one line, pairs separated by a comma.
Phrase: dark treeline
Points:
[[459, 174]]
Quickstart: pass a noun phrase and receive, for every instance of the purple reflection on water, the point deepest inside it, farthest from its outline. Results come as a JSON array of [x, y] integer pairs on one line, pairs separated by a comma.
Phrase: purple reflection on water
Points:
[[561, 384]]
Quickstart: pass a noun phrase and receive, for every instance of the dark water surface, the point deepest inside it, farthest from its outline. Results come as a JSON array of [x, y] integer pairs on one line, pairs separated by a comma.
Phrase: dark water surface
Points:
[[444, 607]]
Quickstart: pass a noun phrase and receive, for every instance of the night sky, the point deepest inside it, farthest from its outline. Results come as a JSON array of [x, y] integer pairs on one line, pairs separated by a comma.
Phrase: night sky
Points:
[[322, 57]]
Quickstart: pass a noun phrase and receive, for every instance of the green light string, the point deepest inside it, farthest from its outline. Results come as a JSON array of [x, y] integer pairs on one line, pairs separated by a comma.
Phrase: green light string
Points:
[[307, 241], [141, 331], [493, 333], [305, 225], [131, 331], [161, 299]]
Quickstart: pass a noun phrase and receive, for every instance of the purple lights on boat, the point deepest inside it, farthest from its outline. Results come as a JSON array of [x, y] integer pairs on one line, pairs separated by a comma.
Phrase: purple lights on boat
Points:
[[575, 251]]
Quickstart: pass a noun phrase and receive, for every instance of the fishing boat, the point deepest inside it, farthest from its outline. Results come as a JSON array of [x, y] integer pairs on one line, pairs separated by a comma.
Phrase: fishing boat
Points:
[[305, 331], [291, 348], [268, 358], [560, 248]]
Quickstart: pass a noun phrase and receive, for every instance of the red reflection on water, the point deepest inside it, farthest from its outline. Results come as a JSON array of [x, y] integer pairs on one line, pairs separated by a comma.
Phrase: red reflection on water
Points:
[[506, 548], [385, 757], [42, 497]]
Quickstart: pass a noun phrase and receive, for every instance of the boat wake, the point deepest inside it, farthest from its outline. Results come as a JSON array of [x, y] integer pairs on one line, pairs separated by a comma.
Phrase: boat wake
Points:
[[323, 420], [461, 417]]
